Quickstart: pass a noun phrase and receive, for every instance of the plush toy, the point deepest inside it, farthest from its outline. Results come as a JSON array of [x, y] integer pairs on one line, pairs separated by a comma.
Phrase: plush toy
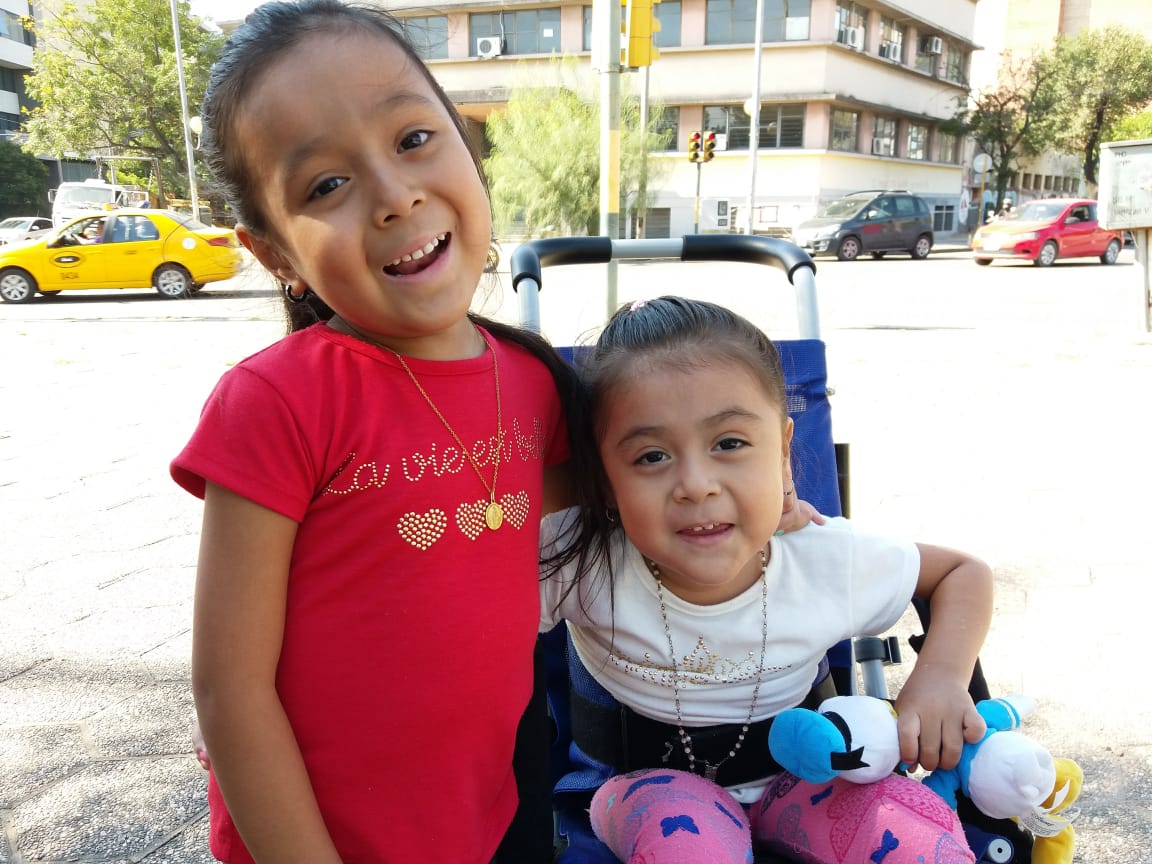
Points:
[[1005, 775]]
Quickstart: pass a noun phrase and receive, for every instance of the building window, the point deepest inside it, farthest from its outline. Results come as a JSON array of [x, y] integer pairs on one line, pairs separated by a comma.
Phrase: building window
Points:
[[786, 20], [587, 28], [851, 24], [917, 141], [667, 124], [733, 22], [12, 27], [526, 31], [780, 125], [668, 14], [428, 35], [11, 80], [954, 57], [892, 40], [884, 136], [928, 54], [944, 217], [9, 122], [845, 130], [949, 147]]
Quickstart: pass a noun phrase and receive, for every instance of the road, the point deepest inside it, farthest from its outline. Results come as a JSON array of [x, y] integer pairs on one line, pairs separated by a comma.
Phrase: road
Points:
[[1001, 410]]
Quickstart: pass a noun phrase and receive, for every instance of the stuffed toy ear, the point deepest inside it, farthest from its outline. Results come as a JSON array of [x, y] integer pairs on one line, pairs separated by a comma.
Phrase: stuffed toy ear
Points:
[[851, 737]]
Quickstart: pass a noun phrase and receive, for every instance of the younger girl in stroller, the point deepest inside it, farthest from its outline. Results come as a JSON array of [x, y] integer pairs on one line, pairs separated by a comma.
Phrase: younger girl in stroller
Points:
[[703, 625]]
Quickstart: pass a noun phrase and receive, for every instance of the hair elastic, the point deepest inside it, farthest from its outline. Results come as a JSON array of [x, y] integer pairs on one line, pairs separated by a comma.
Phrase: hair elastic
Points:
[[638, 305]]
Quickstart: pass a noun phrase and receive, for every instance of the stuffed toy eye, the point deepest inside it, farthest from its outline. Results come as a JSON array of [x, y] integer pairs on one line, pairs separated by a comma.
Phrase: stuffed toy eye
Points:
[[999, 851]]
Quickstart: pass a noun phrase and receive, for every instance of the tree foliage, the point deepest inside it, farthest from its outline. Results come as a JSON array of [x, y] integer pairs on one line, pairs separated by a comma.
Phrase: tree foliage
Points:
[[22, 182], [106, 81], [544, 166], [1008, 120], [1101, 77], [1134, 127]]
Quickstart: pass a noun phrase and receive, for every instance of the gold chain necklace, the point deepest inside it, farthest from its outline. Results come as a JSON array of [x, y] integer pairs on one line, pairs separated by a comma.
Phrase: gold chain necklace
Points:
[[711, 770], [493, 513]]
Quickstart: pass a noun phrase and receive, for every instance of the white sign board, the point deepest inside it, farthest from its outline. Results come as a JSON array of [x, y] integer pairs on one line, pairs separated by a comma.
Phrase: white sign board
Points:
[[1125, 194]]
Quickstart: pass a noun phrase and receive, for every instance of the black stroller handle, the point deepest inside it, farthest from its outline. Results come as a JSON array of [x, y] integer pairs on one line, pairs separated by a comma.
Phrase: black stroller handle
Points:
[[530, 257]]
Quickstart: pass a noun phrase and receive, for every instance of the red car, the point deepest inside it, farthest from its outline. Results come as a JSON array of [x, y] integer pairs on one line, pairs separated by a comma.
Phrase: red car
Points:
[[1042, 231]]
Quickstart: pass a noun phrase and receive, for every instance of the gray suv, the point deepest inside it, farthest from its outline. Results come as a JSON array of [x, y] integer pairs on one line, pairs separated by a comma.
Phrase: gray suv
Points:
[[876, 222]]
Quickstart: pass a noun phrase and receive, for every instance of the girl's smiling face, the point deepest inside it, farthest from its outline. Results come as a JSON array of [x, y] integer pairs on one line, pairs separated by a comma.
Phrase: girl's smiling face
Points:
[[371, 195], [695, 459]]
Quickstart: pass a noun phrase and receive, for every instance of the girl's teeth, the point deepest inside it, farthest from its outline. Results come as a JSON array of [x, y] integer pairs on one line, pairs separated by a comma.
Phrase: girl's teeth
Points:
[[419, 253]]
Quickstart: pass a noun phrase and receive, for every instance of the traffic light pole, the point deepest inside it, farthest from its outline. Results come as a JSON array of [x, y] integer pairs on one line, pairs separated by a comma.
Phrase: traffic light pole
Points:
[[696, 209], [606, 23]]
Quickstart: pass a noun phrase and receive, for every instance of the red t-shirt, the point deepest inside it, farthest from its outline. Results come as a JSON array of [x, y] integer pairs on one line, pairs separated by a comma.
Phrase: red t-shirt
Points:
[[407, 653]]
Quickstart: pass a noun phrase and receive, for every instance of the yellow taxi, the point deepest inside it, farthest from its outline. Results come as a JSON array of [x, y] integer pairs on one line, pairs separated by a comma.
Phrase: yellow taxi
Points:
[[123, 248]]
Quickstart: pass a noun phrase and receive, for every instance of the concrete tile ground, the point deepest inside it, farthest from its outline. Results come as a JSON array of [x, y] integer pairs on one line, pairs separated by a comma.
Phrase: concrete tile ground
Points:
[[1002, 410]]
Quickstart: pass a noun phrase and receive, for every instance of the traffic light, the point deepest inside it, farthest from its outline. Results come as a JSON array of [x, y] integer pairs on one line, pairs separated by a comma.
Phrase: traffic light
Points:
[[694, 147], [638, 29], [709, 147]]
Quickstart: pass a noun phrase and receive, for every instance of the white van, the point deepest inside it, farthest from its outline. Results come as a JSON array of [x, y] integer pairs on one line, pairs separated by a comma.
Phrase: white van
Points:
[[74, 199]]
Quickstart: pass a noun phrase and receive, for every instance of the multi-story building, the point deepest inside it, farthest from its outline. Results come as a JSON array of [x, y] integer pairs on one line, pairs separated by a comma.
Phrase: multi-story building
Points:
[[852, 95], [15, 62]]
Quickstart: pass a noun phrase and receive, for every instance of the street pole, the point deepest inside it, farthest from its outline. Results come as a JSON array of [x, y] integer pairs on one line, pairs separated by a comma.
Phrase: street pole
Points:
[[606, 21], [192, 192], [696, 207], [754, 115], [642, 192]]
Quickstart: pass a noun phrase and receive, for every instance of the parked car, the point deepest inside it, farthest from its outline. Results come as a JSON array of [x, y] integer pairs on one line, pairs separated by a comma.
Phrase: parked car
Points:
[[16, 228], [125, 248], [874, 222], [1042, 231]]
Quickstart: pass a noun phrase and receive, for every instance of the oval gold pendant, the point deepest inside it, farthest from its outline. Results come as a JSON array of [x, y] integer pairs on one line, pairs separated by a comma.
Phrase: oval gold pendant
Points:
[[494, 515]]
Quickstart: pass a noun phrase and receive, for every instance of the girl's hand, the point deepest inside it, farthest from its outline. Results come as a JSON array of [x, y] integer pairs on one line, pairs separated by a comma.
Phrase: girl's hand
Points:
[[934, 720], [797, 513]]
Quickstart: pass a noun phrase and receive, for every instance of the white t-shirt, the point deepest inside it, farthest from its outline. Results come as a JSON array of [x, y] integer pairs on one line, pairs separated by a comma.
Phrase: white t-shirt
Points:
[[825, 583]]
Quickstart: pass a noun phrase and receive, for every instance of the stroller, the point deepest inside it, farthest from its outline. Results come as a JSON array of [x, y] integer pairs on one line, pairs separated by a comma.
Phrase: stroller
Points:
[[568, 703]]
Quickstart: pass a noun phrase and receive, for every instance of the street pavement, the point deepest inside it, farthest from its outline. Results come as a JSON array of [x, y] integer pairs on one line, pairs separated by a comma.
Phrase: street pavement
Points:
[[1001, 410]]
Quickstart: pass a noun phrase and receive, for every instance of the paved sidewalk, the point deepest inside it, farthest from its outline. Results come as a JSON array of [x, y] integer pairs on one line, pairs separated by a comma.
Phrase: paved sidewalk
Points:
[[1029, 447]]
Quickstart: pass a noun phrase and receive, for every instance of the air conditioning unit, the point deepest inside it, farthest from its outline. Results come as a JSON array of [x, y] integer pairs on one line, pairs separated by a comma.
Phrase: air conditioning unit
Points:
[[931, 45], [853, 37], [890, 51], [488, 47], [883, 146]]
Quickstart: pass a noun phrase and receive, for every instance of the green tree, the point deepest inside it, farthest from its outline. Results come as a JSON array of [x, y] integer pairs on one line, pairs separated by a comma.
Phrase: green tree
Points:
[[544, 165], [1136, 126], [106, 81], [1006, 120], [1101, 77], [23, 179]]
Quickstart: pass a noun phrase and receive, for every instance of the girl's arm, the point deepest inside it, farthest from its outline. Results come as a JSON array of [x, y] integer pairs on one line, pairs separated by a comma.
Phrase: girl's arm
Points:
[[936, 714], [238, 625]]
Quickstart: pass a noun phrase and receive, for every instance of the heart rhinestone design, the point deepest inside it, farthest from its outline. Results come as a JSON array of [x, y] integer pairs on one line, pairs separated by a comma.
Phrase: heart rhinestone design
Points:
[[470, 518], [422, 529], [515, 508]]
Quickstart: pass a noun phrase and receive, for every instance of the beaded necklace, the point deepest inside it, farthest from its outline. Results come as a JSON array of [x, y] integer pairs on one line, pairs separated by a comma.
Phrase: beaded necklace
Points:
[[711, 770]]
